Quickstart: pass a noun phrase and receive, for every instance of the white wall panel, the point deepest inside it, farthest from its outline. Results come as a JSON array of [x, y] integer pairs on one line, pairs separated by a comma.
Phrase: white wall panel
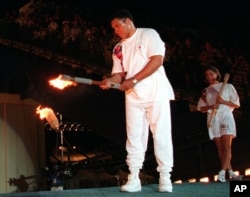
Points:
[[22, 142]]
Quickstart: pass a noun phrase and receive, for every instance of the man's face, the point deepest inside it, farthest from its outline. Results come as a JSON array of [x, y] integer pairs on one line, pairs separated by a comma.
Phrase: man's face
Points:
[[121, 27]]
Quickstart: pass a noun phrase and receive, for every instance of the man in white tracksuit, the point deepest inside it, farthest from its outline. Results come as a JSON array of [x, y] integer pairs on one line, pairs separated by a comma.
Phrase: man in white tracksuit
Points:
[[138, 67]]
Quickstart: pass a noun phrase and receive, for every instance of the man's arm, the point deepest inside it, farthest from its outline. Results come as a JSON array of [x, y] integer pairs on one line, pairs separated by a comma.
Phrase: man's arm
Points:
[[154, 63], [115, 78]]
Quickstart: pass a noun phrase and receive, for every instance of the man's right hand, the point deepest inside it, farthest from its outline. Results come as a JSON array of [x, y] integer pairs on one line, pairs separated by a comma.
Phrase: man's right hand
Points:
[[105, 84]]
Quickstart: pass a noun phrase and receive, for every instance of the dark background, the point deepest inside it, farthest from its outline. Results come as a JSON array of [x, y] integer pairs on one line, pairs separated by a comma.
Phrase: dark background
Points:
[[103, 111], [229, 13]]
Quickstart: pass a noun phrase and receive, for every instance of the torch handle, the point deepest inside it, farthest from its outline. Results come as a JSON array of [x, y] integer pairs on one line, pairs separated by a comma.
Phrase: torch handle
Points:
[[225, 81], [96, 82], [83, 80], [111, 84], [93, 82], [88, 81]]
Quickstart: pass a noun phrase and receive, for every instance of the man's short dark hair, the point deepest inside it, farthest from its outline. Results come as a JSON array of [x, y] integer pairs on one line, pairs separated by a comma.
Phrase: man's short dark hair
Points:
[[122, 13]]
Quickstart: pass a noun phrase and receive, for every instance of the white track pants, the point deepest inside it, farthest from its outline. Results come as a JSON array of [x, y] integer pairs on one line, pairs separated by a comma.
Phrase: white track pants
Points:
[[138, 119]]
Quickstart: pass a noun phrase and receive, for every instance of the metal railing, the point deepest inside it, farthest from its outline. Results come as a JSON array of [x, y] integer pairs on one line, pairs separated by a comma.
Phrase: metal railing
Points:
[[96, 51]]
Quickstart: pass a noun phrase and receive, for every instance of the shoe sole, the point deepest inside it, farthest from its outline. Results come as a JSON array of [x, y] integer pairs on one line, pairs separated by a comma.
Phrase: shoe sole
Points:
[[130, 191], [238, 178], [166, 189], [138, 189], [221, 181], [162, 191]]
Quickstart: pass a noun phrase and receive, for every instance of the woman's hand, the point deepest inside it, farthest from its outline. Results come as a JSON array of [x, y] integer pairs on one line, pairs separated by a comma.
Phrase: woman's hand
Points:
[[216, 106], [220, 100]]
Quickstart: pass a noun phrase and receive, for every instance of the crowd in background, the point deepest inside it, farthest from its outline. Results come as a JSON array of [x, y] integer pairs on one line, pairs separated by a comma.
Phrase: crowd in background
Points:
[[85, 34]]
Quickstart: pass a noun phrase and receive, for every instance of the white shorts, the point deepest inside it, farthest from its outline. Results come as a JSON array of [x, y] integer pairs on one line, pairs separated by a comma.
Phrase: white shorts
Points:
[[223, 124]]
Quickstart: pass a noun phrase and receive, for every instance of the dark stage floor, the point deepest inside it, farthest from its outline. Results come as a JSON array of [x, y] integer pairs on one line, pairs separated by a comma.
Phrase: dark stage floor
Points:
[[179, 190]]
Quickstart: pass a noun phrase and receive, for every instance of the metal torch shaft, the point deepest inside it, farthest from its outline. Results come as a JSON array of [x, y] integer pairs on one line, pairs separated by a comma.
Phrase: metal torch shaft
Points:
[[88, 81], [94, 82], [83, 80], [111, 84]]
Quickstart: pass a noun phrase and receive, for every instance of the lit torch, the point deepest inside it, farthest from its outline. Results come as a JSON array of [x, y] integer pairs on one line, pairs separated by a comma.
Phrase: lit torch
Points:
[[49, 115], [63, 81]]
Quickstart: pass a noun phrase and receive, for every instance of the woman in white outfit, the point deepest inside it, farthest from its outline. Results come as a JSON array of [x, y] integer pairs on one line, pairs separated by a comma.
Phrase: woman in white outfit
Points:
[[222, 128]]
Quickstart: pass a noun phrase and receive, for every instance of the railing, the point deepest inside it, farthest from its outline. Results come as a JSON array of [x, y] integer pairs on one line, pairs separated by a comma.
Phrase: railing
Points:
[[96, 51]]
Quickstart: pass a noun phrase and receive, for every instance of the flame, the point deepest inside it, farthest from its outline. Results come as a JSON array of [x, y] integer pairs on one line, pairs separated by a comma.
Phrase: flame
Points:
[[49, 115], [43, 112], [60, 83]]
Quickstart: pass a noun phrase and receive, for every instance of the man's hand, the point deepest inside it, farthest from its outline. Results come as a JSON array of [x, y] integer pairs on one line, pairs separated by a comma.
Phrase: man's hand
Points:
[[105, 84], [127, 84]]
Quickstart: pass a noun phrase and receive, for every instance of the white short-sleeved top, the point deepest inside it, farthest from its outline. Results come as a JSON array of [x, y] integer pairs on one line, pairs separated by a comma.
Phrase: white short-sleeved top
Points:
[[210, 94], [136, 52]]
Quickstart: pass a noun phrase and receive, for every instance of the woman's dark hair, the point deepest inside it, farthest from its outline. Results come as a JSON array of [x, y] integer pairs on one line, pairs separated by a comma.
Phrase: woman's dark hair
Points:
[[122, 14], [214, 69]]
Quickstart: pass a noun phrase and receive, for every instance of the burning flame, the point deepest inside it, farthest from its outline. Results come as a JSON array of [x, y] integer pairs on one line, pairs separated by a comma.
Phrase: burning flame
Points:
[[60, 83], [43, 112], [49, 115]]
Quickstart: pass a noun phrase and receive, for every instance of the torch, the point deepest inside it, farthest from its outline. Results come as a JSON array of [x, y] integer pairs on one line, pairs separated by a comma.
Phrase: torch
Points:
[[225, 80], [63, 81], [49, 115], [51, 118]]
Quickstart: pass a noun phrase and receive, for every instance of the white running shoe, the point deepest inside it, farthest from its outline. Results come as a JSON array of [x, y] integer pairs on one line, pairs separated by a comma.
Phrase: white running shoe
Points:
[[221, 176], [165, 184], [132, 185], [233, 176]]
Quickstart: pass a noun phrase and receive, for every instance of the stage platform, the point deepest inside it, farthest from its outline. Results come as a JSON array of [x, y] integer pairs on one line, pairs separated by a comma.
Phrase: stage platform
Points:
[[186, 189]]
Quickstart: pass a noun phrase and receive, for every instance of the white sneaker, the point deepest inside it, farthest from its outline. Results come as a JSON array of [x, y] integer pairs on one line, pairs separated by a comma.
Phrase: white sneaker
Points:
[[233, 176], [221, 176], [132, 185], [165, 184]]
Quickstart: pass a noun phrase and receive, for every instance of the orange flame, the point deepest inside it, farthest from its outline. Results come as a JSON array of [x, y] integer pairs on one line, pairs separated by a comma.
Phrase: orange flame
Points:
[[43, 112], [49, 115], [60, 83]]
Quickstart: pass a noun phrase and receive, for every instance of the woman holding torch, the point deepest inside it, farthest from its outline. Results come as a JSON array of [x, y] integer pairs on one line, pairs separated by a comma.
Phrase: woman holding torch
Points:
[[219, 100]]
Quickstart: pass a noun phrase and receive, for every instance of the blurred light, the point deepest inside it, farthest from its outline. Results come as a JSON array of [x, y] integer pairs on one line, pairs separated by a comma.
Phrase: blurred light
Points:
[[216, 177], [193, 180], [62, 148], [237, 173], [204, 180], [178, 181], [247, 172]]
